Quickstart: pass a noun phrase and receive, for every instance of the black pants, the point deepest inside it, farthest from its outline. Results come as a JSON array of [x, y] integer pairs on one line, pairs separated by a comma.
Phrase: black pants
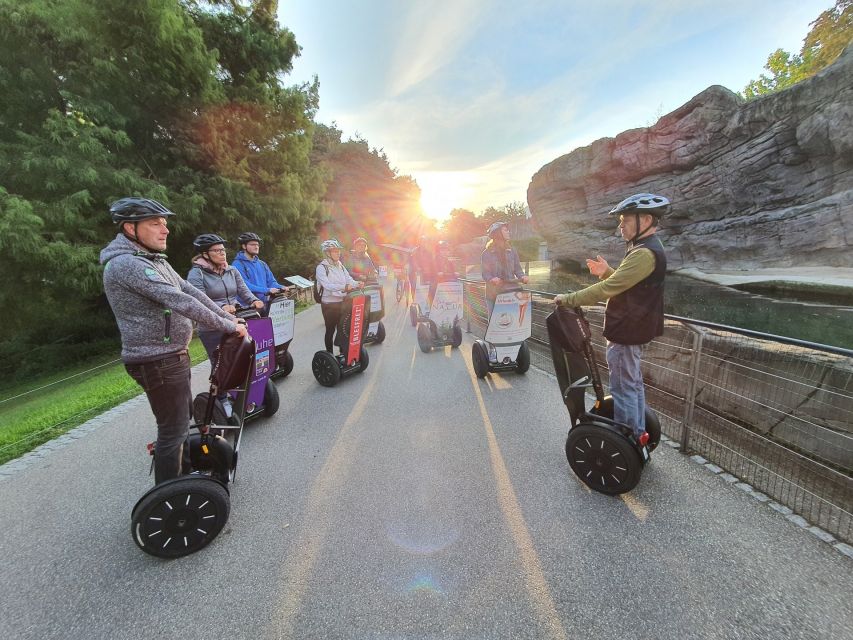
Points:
[[167, 384], [332, 315]]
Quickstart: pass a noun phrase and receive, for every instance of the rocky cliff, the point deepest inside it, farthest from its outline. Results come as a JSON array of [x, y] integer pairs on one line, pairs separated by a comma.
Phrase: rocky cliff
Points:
[[766, 183]]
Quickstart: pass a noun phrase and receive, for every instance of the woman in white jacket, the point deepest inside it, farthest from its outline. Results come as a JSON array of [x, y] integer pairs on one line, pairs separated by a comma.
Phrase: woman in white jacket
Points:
[[335, 282]]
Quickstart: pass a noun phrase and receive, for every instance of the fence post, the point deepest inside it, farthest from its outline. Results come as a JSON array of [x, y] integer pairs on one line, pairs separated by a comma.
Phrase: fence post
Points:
[[690, 395]]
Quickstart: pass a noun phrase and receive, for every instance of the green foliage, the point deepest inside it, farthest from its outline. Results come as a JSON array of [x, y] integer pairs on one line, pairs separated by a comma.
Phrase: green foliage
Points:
[[830, 33], [178, 101], [366, 196]]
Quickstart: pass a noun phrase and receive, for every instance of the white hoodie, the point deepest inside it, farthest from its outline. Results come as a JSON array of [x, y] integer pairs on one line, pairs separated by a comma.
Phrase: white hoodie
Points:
[[333, 278]]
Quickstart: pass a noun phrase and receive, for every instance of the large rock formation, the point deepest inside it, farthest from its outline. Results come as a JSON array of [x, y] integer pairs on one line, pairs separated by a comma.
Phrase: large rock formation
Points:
[[766, 183]]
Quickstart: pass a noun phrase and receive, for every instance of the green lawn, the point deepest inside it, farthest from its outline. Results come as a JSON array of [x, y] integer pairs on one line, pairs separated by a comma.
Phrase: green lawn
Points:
[[45, 414], [37, 417]]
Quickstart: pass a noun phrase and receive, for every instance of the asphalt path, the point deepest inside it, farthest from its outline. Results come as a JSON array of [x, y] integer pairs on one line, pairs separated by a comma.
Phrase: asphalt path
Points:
[[410, 501]]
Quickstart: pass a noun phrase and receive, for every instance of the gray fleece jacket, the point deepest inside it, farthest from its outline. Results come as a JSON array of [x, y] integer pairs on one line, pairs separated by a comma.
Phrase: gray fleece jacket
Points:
[[153, 305], [223, 288]]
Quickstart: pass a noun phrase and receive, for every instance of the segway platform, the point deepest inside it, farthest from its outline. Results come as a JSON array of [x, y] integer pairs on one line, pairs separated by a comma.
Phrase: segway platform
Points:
[[504, 347], [181, 516], [329, 368], [605, 454]]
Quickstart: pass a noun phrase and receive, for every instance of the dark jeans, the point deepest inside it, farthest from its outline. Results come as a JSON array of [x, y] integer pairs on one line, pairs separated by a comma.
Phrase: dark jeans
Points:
[[167, 384], [331, 315]]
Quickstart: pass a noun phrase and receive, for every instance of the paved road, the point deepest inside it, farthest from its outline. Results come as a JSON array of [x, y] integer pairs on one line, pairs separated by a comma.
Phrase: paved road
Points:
[[411, 501]]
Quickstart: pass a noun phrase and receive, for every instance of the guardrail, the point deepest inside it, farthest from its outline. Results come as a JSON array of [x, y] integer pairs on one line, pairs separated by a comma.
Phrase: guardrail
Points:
[[773, 411]]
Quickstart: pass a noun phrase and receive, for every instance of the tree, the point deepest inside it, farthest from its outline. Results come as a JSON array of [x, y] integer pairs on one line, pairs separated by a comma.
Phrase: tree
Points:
[[366, 196], [179, 101], [462, 226], [829, 34]]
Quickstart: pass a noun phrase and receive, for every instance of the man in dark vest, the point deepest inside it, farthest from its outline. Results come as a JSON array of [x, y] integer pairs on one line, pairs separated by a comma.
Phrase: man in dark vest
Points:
[[634, 294]]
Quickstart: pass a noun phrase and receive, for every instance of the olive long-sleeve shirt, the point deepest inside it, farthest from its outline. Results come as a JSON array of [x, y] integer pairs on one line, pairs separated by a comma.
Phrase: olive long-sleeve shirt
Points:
[[636, 267]]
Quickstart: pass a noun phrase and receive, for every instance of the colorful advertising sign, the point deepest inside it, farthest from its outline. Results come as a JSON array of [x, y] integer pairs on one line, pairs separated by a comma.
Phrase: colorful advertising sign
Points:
[[510, 320], [356, 329], [446, 306], [261, 331]]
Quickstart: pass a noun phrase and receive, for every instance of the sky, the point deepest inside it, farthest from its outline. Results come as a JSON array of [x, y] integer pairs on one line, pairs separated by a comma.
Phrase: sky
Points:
[[472, 97]]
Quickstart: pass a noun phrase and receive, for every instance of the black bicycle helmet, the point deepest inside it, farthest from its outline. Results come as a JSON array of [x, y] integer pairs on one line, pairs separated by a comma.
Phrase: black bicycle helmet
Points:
[[207, 240], [136, 209], [657, 206], [247, 237]]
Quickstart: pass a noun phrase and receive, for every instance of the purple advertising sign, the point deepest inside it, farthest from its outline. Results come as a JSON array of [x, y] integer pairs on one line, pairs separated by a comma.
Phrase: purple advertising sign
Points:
[[262, 333]]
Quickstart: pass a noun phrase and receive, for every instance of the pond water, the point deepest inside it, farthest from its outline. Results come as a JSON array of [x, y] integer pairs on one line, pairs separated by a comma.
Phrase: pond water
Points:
[[821, 322]]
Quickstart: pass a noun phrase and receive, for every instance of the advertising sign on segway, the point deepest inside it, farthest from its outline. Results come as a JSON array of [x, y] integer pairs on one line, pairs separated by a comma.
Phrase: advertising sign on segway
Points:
[[440, 327], [375, 328], [282, 312]]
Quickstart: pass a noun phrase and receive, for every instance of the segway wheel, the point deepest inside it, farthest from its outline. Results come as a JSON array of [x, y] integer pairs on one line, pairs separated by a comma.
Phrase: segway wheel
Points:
[[413, 314], [604, 461], [271, 399], [424, 337], [178, 517], [480, 360], [522, 362], [380, 333], [457, 337], [652, 421], [285, 366], [363, 360], [326, 369]]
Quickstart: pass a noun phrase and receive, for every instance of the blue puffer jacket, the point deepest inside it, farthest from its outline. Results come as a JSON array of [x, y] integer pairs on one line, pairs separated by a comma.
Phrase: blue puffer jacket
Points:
[[256, 274]]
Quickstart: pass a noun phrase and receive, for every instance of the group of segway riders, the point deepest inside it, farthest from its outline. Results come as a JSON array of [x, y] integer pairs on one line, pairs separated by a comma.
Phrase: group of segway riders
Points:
[[155, 310]]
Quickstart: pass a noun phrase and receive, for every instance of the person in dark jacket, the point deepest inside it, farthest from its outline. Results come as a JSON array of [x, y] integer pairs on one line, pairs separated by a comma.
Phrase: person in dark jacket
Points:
[[360, 265], [634, 294], [256, 273], [154, 308], [499, 262]]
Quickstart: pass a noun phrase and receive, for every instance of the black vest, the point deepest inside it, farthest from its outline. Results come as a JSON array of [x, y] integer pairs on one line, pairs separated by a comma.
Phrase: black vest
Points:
[[635, 316]]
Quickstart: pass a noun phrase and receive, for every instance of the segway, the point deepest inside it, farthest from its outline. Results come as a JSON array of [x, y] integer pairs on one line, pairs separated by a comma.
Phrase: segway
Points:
[[375, 328], [329, 368], [504, 347], [262, 397], [282, 312], [440, 327], [180, 516], [606, 455]]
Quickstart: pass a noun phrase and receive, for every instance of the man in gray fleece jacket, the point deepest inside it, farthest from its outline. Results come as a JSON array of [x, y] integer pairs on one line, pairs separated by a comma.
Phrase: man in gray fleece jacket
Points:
[[154, 308]]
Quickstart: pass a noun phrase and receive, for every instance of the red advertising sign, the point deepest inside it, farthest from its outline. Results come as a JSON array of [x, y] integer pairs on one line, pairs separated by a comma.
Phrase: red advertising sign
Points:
[[356, 329]]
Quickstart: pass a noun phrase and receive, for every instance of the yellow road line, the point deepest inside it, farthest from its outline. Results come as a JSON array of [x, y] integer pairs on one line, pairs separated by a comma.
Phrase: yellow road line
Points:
[[534, 577], [317, 518]]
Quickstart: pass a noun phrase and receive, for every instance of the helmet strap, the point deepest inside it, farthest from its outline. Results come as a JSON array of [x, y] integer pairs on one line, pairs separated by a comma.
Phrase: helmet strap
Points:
[[639, 234], [134, 238]]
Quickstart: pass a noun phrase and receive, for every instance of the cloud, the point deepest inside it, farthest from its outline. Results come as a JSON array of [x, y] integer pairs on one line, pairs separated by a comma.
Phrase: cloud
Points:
[[430, 38]]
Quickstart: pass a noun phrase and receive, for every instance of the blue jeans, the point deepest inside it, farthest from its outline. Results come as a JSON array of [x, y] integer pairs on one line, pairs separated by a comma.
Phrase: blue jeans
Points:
[[626, 385], [167, 384]]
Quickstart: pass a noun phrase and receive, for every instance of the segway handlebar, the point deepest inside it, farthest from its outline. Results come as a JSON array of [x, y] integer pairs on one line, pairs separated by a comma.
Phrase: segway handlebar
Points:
[[288, 293], [247, 312]]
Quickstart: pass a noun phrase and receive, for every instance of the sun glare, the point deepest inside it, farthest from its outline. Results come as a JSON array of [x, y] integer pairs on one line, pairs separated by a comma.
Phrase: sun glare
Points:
[[442, 191]]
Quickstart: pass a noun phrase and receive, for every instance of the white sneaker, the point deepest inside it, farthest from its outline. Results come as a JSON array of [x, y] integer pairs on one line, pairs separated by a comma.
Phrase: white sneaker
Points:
[[227, 407]]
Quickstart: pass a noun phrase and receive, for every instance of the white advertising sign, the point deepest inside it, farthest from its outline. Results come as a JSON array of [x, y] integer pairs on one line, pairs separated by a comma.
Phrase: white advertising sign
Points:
[[283, 316], [510, 319], [446, 306]]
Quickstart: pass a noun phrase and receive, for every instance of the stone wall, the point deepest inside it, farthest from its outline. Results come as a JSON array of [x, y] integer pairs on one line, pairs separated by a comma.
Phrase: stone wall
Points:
[[765, 183]]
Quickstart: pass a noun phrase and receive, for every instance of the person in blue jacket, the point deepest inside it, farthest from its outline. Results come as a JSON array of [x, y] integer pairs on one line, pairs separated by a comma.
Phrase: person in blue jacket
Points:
[[256, 273]]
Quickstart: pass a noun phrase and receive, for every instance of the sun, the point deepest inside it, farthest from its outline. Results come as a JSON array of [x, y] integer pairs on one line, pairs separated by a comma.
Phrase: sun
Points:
[[442, 191]]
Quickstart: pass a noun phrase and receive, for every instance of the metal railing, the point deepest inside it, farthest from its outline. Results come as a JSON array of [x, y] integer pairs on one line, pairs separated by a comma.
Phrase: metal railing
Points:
[[773, 411]]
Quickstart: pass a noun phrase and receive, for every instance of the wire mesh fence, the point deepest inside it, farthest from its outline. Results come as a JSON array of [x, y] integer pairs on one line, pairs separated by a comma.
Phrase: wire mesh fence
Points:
[[775, 412]]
